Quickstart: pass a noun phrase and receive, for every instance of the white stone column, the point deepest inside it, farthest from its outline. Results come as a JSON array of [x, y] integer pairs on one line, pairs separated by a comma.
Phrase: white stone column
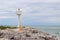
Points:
[[19, 14], [19, 22]]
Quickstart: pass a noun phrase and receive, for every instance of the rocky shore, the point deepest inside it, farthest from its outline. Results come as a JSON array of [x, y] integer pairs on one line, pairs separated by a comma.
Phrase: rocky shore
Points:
[[28, 34]]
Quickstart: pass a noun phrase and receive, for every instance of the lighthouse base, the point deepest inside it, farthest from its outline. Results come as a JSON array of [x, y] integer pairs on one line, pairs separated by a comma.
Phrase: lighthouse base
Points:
[[20, 29]]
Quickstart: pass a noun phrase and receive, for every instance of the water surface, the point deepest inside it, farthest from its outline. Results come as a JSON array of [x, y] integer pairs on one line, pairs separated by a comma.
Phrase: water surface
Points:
[[54, 30]]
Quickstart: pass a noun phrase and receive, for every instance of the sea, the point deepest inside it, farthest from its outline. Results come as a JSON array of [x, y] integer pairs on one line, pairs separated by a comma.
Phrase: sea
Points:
[[51, 29]]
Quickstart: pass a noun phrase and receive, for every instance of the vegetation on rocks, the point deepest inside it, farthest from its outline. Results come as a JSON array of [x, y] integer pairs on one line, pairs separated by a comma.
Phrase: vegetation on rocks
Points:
[[6, 27]]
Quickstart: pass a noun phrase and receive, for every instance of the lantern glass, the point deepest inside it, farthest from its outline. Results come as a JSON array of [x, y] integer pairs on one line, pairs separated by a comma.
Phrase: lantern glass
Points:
[[19, 11]]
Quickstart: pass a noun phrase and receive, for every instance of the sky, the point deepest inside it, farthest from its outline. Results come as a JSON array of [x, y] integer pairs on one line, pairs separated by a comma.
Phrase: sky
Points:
[[34, 12]]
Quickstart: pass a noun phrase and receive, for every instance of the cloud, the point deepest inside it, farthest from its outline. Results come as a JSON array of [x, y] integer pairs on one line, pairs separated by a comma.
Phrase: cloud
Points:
[[43, 1], [50, 1], [54, 19], [43, 11], [6, 17]]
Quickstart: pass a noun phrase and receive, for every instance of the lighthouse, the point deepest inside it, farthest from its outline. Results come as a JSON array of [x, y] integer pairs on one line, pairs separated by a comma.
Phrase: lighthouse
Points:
[[19, 14]]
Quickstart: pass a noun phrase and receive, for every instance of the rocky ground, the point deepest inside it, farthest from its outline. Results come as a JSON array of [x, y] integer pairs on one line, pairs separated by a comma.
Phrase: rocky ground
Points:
[[28, 34]]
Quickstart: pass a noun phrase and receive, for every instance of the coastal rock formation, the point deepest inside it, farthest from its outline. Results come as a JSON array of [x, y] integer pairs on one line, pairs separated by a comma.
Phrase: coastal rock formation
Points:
[[29, 34]]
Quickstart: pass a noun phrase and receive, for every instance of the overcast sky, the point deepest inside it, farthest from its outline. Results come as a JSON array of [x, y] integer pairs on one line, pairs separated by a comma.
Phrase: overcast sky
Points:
[[34, 12]]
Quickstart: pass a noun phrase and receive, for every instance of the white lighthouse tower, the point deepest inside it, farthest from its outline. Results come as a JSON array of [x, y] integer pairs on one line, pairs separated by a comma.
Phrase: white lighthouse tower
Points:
[[19, 14]]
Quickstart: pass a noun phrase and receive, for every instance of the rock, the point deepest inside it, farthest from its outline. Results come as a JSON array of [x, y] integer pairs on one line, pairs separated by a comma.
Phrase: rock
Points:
[[34, 31], [2, 35], [28, 35], [11, 34], [4, 39]]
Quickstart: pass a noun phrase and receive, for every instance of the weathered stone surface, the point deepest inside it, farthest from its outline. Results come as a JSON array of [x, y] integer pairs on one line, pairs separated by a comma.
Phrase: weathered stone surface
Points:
[[12, 34]]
